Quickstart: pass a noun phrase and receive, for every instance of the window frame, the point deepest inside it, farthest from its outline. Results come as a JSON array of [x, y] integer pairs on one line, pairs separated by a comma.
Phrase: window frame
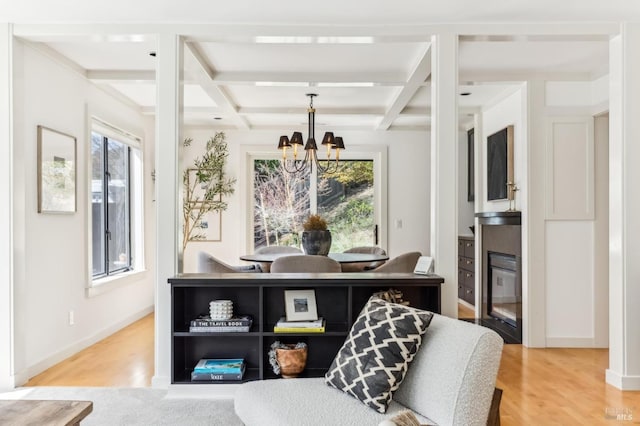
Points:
[[377, 153], [136, 200]]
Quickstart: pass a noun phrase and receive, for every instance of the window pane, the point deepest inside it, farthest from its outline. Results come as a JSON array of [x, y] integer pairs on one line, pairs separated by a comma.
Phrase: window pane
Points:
[[97, 204], [118, 205], [281, 204], [345, 200]]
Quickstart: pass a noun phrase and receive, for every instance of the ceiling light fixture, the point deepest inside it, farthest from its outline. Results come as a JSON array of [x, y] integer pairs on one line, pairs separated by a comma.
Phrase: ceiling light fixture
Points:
[[311, 149]]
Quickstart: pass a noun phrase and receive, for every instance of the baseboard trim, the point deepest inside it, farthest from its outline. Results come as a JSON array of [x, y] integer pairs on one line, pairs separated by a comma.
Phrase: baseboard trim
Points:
[[625, 383], [160, 382], [571, 342], [24, 376]]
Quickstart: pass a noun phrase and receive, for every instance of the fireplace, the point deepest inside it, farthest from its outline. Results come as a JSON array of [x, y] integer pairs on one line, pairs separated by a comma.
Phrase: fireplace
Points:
[[501, 273], [504, 300]]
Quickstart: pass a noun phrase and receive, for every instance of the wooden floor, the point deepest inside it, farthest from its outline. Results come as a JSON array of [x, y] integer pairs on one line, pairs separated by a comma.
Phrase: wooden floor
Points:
[[124, 359], [541, 386]]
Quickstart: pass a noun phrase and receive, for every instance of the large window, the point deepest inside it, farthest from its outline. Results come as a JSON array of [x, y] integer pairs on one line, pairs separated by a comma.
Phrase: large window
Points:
[[113, 196], [345, 199]]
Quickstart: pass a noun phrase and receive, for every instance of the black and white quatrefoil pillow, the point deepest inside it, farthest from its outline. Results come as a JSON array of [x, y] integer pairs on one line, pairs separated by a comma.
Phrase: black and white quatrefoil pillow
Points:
[[375, 356]]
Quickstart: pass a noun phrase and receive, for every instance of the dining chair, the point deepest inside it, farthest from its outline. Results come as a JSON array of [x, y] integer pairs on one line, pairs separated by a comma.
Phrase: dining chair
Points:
[[405, 262], [209, 264], [359, 267], [266, 266], [305, 263]]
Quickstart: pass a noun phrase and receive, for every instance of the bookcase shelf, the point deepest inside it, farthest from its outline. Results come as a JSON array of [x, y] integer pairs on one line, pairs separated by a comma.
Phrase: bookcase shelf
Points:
[[339, 299]]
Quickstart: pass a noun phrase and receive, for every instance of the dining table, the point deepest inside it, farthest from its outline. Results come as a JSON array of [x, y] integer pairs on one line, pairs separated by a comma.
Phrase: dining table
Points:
[[338, 257]]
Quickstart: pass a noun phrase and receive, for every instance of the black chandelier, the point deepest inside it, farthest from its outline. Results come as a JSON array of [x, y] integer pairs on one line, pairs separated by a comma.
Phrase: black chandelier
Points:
[[311, 149]]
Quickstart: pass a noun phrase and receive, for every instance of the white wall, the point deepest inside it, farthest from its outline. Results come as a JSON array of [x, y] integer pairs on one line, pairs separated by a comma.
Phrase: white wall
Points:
[[6, 241], [408, 189], [507, 112], [52, 251]]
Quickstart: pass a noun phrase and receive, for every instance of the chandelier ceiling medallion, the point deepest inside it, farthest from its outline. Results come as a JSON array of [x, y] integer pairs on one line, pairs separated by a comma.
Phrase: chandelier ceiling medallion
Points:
[[311, 149]]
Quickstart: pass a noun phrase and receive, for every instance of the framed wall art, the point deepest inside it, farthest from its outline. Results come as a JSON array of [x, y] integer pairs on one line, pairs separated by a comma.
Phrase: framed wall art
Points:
[[499, 164], [56, 172]]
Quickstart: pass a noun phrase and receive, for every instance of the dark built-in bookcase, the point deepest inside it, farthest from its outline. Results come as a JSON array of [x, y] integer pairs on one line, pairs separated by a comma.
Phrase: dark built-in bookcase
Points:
[[339, 299]]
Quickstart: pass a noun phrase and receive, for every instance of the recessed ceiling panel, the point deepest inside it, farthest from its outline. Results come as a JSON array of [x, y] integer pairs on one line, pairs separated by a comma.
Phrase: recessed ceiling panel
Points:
[[290, 123], [411, 122], [143, 94], [328, 97], [313, 58], [482, 94], [534, 56]]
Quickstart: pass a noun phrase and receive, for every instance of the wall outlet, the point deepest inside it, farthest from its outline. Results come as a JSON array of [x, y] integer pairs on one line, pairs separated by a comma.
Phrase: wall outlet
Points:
[[72, 320]]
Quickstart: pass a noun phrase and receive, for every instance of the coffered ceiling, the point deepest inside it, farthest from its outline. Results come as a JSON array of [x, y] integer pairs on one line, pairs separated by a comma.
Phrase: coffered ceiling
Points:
[[253, 73]]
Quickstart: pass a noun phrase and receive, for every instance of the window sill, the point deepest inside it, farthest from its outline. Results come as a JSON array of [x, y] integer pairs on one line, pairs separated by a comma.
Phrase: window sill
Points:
[[103, 285]]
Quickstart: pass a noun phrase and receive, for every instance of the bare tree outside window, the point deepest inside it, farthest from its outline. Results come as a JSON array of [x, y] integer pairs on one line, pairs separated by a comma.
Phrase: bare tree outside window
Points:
[[344, 199]]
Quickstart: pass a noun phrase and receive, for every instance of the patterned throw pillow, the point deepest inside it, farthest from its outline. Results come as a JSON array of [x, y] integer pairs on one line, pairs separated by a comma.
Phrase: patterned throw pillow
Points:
[[375, 356]]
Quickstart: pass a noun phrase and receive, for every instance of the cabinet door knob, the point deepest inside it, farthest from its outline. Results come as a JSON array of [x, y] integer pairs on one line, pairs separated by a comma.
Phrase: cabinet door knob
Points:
[[468, 275], [468, 291], [468, 244], [468, 262]]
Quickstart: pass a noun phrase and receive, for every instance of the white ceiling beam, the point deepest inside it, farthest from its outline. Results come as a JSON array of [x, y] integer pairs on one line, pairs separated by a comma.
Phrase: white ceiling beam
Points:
[[222, 32], [324, 111], [342, 78], [469, 78], [213, 111], [534, 38], [121, 76], [204, 76], [420, 73]]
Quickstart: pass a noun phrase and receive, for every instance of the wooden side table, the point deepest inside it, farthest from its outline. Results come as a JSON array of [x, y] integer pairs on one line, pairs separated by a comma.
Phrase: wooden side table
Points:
[[24, 412]]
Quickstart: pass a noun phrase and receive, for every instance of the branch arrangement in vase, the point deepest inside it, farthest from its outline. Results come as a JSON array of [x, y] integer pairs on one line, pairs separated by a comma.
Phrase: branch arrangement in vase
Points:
[[205, 185]]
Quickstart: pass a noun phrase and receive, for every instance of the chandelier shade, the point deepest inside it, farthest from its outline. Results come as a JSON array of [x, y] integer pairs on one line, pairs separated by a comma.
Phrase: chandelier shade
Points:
[[332, 143]]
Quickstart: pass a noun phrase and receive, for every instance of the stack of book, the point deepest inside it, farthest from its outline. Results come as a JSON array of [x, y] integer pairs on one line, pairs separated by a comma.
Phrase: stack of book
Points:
[[284, 326], [237, 324], [218, 369]]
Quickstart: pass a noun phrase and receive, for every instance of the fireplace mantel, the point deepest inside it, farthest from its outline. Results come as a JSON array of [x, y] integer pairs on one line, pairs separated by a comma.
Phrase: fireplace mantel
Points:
[[499, 218]]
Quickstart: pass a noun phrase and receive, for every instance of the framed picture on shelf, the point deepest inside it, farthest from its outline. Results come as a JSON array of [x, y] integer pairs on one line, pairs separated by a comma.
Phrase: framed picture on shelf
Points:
[[300, 305], [56, 171]]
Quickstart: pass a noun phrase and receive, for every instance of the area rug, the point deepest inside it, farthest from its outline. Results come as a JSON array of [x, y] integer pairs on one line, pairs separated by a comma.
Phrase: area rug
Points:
[[137, 406]]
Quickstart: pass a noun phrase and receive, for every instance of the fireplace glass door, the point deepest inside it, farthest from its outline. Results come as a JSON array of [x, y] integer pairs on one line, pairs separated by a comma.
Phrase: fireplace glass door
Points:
[[504, 292]]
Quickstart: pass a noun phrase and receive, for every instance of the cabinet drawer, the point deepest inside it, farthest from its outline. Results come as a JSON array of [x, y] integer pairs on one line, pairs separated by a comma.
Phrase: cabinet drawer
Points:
[[469, 295], [469, 279], [468, 264], [469, 248]]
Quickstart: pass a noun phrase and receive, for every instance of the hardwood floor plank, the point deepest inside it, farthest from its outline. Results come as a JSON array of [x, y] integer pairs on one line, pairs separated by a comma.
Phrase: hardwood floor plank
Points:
[[541, 386], [124, 359]]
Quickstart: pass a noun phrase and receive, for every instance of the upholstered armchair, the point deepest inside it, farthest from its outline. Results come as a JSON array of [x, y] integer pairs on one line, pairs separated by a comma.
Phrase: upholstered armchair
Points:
[[209, 264], [305, 263], [274, 249], [406, 262], [359, 267]]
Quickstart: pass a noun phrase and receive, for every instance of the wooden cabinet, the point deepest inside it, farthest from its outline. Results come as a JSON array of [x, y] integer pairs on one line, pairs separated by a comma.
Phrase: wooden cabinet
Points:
[[466, 269], [339, 299]]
